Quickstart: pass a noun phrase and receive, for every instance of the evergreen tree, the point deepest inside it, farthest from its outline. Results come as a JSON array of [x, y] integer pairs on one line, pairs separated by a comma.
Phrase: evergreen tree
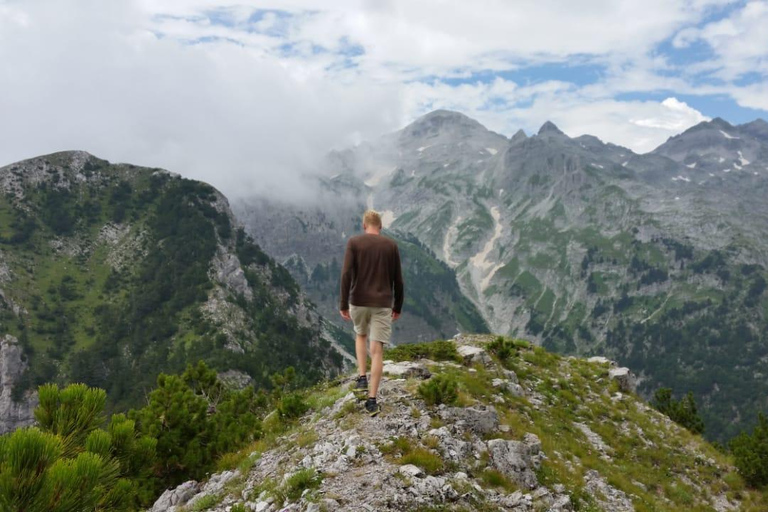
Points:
[[751, 453], [682, 412], [69, 463]]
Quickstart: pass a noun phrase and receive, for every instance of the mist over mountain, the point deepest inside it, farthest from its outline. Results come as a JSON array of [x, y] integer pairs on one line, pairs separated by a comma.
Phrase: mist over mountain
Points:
[[657, 260]]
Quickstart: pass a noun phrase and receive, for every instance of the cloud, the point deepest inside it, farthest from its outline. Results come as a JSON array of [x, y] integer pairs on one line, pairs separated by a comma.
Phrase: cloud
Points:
[[100, 81], [739, 42], [249, 95]]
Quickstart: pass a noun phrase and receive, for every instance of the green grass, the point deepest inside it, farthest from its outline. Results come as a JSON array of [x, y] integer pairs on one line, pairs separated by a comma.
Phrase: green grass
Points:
[[427, 460], [300, 481], [495, 479], [206, 502], [435, 350]]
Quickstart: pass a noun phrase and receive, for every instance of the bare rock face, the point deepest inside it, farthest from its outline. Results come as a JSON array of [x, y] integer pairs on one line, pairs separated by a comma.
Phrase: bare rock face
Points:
[[13, 414]]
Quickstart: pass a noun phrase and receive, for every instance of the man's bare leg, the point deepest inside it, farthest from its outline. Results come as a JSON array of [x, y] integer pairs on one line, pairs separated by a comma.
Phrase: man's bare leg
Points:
[[362, 353], [377, 364]]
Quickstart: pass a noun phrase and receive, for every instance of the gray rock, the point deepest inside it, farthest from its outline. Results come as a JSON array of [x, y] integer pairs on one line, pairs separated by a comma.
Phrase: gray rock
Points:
[[515, 459], [480, 420], [173, 498], [473, 354], [13, 414], [511, 387], [406, 370], [411, 471], [625, 378], [607, 496]]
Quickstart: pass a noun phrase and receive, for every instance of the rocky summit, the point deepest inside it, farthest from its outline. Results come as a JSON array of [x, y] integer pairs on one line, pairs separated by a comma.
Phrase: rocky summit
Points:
[[475, 423]]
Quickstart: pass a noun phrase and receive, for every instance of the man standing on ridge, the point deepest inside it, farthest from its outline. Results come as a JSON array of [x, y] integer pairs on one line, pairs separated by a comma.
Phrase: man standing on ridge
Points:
[[372, 297]]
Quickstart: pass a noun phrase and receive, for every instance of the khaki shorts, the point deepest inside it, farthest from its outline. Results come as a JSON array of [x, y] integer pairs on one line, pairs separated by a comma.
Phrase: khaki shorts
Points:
[[375, 322]]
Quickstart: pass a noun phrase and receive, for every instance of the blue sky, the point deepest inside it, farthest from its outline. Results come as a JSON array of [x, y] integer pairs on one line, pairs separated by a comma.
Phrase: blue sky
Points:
[[274, 84]]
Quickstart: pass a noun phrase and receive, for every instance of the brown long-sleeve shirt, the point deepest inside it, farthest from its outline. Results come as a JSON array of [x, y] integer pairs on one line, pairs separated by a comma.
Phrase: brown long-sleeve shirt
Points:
[[371, 273]]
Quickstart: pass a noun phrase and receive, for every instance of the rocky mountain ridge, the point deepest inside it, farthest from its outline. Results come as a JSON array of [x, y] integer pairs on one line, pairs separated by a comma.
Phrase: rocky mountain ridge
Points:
[[113, 273], [527, 431]]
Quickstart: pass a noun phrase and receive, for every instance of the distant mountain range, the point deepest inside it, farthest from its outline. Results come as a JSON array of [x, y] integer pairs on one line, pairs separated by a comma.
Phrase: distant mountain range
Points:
[[657, 260]]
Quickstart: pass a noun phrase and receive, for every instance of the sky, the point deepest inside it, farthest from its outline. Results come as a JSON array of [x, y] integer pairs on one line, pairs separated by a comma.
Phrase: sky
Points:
[[248, 95]]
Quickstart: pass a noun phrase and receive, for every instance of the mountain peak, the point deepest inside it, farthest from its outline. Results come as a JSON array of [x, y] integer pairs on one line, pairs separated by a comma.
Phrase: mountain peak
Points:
[[757, 128], [446, 122], [550, 127], [519, 135], [720, 123]]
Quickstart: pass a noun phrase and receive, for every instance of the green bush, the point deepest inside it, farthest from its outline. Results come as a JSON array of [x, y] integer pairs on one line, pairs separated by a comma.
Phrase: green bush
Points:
[[502, 347], [435, 350], [751, 453], [683, 411], [297, 483], [440, 389], [292, 406], [195, 419], [69, 464]]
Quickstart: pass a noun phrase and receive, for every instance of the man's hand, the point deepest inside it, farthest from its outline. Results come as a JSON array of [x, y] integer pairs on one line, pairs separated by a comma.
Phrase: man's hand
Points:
[[395, 316], [345, 314]]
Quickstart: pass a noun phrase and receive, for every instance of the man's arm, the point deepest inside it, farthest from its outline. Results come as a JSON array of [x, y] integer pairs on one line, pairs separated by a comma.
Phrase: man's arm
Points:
[[347, 270], [398, 284]]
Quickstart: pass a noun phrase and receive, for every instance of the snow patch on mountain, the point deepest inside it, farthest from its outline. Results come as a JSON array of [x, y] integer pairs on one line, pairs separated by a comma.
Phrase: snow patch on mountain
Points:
[[728, 136], [743, 160]]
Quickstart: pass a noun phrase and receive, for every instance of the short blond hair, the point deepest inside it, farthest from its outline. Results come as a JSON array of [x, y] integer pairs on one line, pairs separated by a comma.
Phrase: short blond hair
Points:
[[372, 218]]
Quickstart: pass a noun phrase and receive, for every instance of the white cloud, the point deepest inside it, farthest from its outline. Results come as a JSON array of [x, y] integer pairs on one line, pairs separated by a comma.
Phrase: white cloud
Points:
[[227, 114], [246, 103], [740, 41]]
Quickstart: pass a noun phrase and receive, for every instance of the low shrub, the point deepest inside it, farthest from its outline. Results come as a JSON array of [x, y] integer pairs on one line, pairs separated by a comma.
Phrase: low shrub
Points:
[[301, 481], [440, 389], [292, 406]]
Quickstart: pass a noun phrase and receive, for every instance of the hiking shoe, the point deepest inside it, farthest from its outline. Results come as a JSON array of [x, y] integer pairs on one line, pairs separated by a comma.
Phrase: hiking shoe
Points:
[[361, 386], [372, 407]]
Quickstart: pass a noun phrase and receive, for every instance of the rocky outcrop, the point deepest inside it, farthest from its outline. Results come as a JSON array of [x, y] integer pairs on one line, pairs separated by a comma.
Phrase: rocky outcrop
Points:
[[14, 414], [624, 378]]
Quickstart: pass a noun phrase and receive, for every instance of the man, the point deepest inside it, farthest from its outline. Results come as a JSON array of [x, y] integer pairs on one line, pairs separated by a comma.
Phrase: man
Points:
[[372, 297]]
